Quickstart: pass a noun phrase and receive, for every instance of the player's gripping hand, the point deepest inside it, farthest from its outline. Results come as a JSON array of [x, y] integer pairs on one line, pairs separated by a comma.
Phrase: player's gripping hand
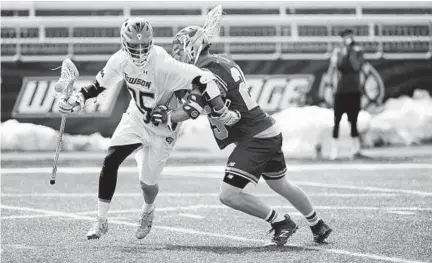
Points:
[[161, 114], [226, 116], [66, 105], [229, 117]]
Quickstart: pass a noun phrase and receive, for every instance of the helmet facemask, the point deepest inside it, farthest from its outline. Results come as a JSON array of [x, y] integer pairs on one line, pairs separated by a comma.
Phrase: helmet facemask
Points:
[[137, 40], [187, 49]]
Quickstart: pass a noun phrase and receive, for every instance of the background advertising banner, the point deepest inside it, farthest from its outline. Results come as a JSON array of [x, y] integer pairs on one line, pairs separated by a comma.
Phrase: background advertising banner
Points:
[[28, 96]]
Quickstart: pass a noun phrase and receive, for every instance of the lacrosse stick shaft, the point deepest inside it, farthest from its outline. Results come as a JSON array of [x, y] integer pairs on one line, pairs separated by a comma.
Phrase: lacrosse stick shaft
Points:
[[58, 149]]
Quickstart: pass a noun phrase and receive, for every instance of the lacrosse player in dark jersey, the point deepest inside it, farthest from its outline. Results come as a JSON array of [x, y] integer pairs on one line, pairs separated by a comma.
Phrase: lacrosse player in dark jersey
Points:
[[235, 117]]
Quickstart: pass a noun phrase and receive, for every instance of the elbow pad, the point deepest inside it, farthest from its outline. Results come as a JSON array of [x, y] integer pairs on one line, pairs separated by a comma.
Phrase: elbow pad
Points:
[[207, 86], [194, 105]]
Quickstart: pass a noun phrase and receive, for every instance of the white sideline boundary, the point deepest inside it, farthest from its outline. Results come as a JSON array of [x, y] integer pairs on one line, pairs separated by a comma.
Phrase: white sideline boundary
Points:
[[202, 233]]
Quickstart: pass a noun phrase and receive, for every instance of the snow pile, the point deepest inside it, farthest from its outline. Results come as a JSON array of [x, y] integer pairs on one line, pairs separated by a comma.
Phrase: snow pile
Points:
[[403, 121], [17, 136], [305, 128]]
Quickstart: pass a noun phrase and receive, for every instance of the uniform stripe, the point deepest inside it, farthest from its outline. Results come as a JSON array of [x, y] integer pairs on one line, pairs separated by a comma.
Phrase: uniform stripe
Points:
[[311, 216], [276, 174], [271, 216], [222, 83]]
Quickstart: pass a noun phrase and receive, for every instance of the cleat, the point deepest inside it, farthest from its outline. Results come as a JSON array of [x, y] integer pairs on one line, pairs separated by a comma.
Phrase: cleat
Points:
[[145, 224], [320, 231], [334, 151], [282, 231], [99, 228]]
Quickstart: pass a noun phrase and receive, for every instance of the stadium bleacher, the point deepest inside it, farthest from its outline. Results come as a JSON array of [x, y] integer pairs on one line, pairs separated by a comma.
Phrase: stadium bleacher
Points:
[[49, 31]]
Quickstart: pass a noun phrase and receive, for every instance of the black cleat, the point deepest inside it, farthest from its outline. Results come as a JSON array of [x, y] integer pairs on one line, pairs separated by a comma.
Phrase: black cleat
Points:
[[282, 231], [320, 231]]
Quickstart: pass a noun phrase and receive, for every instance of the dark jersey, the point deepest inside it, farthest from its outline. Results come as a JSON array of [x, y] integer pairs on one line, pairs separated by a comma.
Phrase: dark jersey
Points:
[[349, 64], [253, 119]]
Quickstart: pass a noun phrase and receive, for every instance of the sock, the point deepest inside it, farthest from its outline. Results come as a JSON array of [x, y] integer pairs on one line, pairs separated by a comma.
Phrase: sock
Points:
[[146, 208], [312, 218], [274, 217], [103, 207]]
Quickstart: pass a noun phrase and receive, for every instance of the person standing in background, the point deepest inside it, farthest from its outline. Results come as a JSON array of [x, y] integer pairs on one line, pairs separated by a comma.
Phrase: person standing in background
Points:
[[348, 60]]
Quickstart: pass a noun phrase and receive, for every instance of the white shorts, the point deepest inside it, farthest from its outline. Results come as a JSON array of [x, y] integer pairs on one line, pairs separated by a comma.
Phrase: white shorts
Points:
[[150, 158]]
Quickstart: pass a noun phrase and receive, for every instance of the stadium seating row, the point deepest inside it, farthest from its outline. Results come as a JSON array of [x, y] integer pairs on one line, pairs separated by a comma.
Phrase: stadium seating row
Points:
[[42, 31]]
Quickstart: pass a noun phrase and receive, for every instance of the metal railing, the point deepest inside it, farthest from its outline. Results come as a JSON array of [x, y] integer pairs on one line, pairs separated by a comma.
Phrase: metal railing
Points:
[[31, 38]]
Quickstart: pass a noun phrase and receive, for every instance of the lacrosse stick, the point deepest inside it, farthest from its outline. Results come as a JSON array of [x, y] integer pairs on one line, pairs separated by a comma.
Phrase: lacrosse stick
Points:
[[63, 89], [212, 25]]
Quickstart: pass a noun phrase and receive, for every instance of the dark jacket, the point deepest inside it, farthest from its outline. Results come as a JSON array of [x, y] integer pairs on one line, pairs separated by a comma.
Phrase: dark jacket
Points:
[[349, 62]]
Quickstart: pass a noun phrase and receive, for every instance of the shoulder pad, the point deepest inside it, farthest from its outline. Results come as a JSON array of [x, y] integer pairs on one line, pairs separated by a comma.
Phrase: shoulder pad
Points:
[[206, 77]]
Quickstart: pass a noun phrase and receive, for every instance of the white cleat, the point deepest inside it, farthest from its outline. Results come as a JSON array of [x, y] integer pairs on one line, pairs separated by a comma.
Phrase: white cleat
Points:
[[355, 147], [334, 151], [99, 228], [145, 224]]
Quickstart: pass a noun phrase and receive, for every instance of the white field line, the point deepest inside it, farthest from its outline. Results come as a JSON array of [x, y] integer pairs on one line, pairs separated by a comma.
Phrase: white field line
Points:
[[81, 195], [25, 217], [340, 186], [365, 188], [219, 168], [402, 212], [202, 233], [189, 171], [199, 207], [191, 216]]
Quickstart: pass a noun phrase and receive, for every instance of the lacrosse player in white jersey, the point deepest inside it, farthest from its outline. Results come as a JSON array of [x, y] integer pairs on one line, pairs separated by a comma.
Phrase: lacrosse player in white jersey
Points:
[[153, 78]]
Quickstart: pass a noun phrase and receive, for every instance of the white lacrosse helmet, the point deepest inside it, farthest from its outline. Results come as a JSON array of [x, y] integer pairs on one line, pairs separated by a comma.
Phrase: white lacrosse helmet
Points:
[[137, 40], [188, 44]]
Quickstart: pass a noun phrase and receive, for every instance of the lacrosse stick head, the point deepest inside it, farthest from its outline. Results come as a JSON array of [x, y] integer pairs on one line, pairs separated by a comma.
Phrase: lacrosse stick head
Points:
[[212, 25], [192, 40], [69, 73]]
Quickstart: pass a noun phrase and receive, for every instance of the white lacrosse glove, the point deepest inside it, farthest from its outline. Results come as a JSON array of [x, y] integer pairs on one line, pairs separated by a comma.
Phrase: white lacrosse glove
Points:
[[226, 116], [66, 105], [161, 114]]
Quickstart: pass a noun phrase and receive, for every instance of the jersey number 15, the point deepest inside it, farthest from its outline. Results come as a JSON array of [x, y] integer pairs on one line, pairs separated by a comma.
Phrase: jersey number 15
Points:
[[138, 96]]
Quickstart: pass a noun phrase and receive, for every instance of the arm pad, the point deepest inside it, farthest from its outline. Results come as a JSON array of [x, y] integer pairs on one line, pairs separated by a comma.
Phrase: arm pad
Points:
[[207, 86], [92, 90], [194, 105]]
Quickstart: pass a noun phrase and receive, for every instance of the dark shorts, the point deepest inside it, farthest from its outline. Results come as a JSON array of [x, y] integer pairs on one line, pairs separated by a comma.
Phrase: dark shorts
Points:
[[347, 103], [254, 158]]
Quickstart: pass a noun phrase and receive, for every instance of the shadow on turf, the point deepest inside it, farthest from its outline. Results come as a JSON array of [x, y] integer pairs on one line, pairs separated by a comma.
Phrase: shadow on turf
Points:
[[222, 249]]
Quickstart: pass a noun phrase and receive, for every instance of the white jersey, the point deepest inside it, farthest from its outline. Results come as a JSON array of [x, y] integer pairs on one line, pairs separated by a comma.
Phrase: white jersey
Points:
[[151, 85]]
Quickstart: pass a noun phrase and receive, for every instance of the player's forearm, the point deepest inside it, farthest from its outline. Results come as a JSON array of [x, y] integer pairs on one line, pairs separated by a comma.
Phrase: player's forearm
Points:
[[179, 115]]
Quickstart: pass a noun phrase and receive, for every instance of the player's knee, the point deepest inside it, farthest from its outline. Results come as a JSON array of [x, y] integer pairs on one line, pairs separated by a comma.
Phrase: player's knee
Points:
[[149, 186], [229, 195], [111, 161]]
